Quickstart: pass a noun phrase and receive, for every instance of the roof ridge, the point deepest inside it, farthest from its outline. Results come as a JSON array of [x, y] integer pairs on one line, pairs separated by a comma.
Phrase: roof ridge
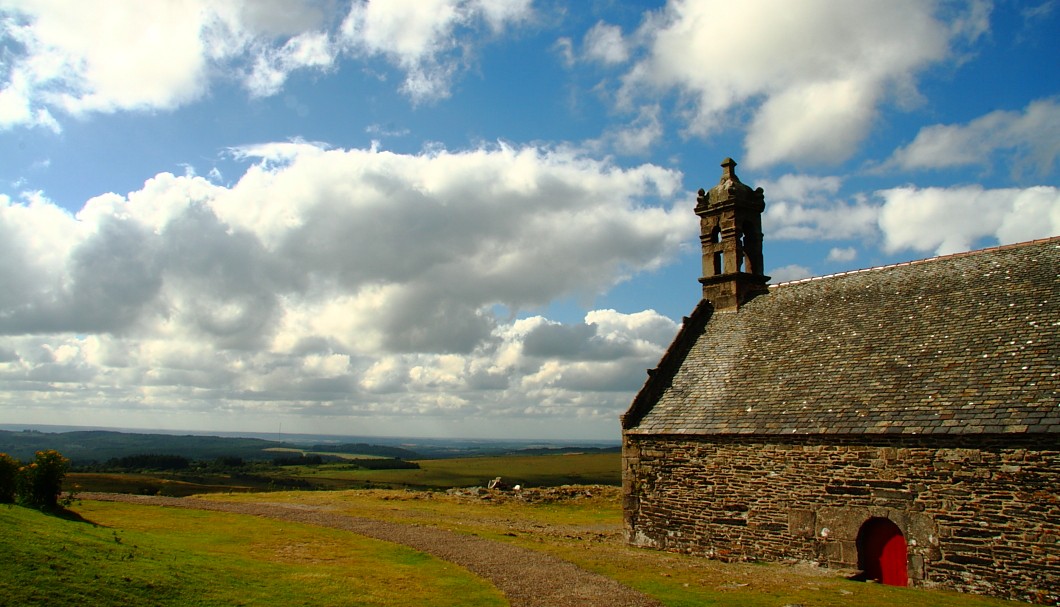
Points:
[[1004, 247]]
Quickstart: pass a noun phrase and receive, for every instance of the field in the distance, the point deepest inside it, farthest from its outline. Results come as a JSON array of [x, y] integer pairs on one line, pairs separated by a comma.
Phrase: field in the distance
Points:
[[303, 452], [525, 470]]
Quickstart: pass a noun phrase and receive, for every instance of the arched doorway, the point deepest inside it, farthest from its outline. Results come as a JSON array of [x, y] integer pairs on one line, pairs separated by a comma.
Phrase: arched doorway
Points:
[[882, 552]]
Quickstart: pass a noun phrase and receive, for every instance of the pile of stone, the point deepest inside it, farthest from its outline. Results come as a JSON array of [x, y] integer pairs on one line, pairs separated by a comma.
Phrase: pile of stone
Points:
[[498, 491]]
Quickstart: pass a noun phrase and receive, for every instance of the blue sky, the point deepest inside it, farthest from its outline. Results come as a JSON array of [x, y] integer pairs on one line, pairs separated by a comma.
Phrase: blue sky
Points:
[[468, 218]]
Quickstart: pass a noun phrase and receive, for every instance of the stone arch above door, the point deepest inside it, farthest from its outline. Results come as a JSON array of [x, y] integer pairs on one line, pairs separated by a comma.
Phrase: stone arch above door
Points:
[[836, 530]]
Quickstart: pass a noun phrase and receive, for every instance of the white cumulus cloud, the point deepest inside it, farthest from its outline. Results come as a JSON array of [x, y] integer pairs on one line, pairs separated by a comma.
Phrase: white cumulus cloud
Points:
[[604, 43], [950, 220], [812, 80], [424, 37], [1030, 140], [842, 254], [939, 219], [107, 56], [805, 207], [341, 282], [788, 273], [122, 55]]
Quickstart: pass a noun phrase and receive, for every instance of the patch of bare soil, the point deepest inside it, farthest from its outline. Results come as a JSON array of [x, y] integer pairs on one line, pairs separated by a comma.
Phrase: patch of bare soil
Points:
[[528, 578]]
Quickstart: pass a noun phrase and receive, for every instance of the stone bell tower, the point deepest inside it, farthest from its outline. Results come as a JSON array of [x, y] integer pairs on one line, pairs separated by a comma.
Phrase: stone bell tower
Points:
[[730, 231]]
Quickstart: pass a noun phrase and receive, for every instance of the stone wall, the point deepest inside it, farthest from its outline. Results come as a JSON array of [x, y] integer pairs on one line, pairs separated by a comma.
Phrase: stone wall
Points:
[[979, 513]]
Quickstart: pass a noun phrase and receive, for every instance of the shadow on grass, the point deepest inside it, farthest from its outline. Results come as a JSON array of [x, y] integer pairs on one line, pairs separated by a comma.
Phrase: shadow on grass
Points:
[[66, 514], [57, 511]]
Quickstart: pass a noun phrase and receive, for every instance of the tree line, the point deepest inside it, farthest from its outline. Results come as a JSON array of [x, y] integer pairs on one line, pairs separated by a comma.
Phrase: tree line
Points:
[[143, 462]]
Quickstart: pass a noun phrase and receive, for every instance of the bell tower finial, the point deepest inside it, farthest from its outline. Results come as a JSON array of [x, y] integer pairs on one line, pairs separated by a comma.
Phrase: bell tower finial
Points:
[[730, 232], [729, 173]]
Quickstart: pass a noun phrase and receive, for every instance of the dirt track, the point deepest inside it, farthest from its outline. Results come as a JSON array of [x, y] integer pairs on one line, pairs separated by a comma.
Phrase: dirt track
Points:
[[527, 578]]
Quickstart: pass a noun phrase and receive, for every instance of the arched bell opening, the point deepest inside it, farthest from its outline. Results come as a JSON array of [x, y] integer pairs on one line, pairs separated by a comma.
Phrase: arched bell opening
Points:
[[751, 248]]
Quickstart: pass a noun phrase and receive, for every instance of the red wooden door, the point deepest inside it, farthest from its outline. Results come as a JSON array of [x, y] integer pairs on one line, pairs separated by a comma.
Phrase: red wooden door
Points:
[[882, 552]]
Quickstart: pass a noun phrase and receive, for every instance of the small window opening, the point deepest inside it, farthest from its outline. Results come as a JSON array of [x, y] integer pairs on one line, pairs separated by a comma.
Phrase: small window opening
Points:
[[715, 235]]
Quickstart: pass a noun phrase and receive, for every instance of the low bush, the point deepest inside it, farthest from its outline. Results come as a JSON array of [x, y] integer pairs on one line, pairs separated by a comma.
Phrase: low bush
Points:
[[8, 478], [40, 483]]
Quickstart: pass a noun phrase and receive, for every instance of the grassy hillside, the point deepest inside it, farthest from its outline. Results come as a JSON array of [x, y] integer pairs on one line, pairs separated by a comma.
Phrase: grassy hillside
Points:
[[136, 555]]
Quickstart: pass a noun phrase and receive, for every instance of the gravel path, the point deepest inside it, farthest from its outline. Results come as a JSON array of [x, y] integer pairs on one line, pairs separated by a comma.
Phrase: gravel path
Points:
[[526, 577]]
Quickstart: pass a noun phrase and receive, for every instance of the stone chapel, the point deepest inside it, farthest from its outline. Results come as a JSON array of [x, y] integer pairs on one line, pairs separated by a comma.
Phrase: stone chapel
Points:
[[902, 422]]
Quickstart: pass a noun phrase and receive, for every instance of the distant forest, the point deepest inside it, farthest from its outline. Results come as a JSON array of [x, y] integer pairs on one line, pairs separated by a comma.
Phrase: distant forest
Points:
[[96, 447], [88, 447]]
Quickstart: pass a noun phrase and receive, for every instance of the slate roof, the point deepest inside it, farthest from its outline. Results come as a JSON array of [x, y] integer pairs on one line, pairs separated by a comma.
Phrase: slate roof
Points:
[[961, 344]]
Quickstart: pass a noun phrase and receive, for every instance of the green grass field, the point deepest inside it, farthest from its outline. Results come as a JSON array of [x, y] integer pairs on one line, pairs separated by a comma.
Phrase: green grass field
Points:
[[135, 555]]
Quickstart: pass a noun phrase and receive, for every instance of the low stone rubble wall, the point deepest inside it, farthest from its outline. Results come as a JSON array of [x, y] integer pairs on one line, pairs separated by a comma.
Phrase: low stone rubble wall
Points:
[[533, 495]]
